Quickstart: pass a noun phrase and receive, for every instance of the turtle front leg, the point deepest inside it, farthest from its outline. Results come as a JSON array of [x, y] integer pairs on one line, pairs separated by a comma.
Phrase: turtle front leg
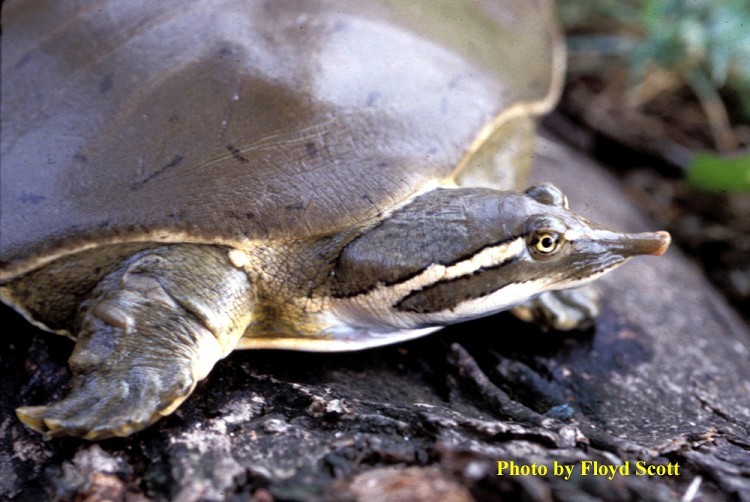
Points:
[[563, 310], [147, 334]]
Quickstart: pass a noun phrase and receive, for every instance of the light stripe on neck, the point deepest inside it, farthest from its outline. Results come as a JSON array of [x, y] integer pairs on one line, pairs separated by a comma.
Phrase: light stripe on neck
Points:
[[488, 257], [368, 307]]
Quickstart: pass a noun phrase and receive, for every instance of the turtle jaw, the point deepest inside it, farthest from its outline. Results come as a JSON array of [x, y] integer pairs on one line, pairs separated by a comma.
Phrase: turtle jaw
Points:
[[594, 252], [566, 250]]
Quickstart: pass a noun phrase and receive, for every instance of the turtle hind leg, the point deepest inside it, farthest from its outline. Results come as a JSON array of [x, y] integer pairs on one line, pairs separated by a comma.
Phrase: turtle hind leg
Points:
[[562, 310], [147, 334]]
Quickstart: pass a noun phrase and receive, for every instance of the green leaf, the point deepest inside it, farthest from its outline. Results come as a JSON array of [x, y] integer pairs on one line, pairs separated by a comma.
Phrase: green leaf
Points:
[[714, 173]]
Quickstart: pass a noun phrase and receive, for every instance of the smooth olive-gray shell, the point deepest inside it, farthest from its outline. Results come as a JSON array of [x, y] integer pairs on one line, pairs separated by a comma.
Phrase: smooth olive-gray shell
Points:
[[233, 121]]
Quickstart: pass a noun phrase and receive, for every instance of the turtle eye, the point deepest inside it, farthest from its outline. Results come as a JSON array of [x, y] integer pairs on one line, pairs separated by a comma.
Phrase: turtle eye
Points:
[[545, 243]]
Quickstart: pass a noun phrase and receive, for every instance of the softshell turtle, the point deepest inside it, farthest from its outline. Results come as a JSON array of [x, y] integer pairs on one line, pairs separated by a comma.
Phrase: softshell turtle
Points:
[[183, 179]]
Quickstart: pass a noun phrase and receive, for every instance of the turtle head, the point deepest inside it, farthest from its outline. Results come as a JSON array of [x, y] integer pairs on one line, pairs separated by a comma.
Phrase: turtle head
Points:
[[559, 249], [454, 255]]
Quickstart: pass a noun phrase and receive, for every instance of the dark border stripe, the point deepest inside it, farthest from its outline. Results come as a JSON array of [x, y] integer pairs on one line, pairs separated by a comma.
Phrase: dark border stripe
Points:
[[449, 285]]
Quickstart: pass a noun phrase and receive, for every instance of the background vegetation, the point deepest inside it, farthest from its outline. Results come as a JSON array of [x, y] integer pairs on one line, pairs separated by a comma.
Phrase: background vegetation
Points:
[[661, 90], [668, 46]]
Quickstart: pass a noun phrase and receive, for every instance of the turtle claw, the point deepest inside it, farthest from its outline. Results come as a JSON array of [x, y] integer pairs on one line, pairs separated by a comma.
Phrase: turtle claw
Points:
[[49, 422], [33, 417], [104, 405]]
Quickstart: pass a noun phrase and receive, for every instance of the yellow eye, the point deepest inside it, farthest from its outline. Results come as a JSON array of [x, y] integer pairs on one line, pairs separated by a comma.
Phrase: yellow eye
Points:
[[545, 242]]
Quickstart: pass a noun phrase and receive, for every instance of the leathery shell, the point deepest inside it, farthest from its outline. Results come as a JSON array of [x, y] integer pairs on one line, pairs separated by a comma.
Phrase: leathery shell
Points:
[[233, 122]]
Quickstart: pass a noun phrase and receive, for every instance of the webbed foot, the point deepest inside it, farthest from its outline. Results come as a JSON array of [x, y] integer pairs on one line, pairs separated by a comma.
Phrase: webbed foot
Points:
[[109, 403], [148, 333], [562, 310]]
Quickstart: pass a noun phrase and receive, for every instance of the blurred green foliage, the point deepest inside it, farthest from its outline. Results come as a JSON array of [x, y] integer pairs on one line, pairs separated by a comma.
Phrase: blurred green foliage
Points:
[[705, 42], [714, 173], [711, 37], [686, 36]]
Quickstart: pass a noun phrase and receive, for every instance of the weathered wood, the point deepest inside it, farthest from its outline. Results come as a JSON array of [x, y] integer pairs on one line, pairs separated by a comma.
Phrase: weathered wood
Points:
[[663, 378]]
